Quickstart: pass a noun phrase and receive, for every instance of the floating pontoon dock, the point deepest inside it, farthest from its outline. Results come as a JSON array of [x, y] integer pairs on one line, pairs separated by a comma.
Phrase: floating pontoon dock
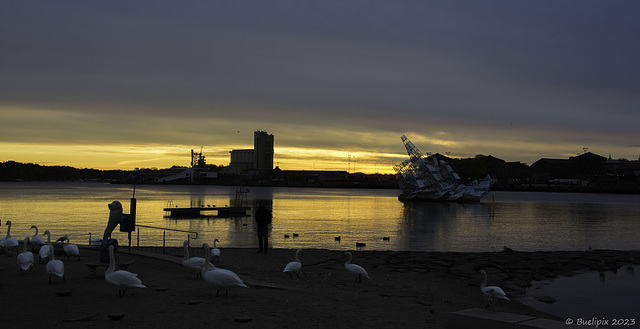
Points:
[[212, 211]]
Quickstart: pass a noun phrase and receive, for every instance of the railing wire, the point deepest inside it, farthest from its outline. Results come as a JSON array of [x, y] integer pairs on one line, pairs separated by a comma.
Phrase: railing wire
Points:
[[164, 234]]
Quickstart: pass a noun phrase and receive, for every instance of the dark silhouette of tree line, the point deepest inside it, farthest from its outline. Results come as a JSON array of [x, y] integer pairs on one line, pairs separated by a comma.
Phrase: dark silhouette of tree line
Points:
[[12, 171]]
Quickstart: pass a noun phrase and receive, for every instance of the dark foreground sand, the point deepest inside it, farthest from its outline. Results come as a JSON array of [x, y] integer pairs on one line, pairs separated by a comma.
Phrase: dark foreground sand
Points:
[[409, 289]]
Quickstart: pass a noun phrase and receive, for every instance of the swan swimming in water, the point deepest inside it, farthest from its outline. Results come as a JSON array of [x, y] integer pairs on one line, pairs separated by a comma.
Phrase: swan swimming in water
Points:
[[194, 263], [70, 249], [36, 240], [47, 249], [220, 278], [491, 292], [121, 278], [295, 266], [215, 252], [25, 258], [358, 270], [55, 267]]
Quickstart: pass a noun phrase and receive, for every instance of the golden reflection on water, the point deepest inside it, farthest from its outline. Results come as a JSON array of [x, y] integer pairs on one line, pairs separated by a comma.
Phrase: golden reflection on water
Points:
[[317, 216], [322, 217]]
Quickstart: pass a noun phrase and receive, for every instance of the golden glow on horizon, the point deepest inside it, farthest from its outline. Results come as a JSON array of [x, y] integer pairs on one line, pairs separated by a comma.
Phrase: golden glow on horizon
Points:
[[160, 156], [291, 158], [128, 157], [103, 157]]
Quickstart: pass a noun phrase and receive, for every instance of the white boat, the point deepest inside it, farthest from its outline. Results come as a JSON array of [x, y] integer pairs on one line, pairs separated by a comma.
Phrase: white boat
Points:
[[476, 190], [425, 178]]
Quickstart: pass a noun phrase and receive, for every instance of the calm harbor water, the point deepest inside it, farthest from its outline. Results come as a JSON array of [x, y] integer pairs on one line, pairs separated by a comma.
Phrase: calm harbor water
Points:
[[520, 220]]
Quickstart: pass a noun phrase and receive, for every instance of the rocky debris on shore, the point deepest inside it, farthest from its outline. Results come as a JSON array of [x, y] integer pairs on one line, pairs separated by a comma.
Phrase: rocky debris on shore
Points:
[[512, 270], [545, 299]]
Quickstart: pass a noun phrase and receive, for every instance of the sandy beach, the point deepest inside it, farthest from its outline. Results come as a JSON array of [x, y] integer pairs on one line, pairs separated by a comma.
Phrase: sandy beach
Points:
[[408, 289]]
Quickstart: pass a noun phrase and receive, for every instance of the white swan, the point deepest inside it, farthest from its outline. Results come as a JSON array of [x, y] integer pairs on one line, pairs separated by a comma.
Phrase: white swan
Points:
[[358, 270], [121, 278], [215, 252], [46, 250], [491, 292], [70, 249], [36, 240], [295, 266], [220, 278], [55, 267], [194, 263], [25, 258], [9, 242]]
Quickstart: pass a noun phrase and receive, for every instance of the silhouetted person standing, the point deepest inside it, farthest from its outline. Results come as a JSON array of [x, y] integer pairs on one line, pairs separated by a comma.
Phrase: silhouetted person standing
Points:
[[263, 219]]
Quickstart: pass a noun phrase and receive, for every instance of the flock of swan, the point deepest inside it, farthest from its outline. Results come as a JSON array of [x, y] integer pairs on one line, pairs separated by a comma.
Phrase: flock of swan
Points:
[[224, 279], [26, 258], [55, 267], [293, 267], [203, 268], [218, 277], [193, 263]]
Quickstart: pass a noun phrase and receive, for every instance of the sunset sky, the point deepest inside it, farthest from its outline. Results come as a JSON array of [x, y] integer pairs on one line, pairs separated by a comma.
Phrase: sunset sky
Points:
[[127, 84]]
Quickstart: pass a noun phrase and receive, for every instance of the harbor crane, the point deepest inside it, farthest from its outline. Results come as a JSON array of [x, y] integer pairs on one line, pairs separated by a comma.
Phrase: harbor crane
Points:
[[197, 159]]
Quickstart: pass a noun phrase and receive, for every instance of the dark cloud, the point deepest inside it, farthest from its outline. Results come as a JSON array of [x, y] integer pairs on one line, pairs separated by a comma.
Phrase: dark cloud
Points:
[[329, 73]]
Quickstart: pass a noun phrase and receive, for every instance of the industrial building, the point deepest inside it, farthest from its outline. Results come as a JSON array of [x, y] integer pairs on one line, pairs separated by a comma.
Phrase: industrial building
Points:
[[258, 160]]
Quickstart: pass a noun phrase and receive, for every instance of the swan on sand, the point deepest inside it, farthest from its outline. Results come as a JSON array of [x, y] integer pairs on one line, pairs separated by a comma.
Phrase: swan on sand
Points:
[[70, 249], [491, 292], [9, 242], [194, 263], [122, 279], [215, 252], [295, 266], [55, 267], [25, 258], [358, 270], [36, 240], [46, 250], [220, 278]]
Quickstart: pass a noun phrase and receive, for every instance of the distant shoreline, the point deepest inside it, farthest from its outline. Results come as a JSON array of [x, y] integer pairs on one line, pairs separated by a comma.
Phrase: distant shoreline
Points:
[[523, 188], [12, 171]]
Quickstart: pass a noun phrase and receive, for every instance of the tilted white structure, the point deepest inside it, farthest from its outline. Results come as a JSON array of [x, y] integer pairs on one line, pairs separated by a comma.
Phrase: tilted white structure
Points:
[[425, 178]]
